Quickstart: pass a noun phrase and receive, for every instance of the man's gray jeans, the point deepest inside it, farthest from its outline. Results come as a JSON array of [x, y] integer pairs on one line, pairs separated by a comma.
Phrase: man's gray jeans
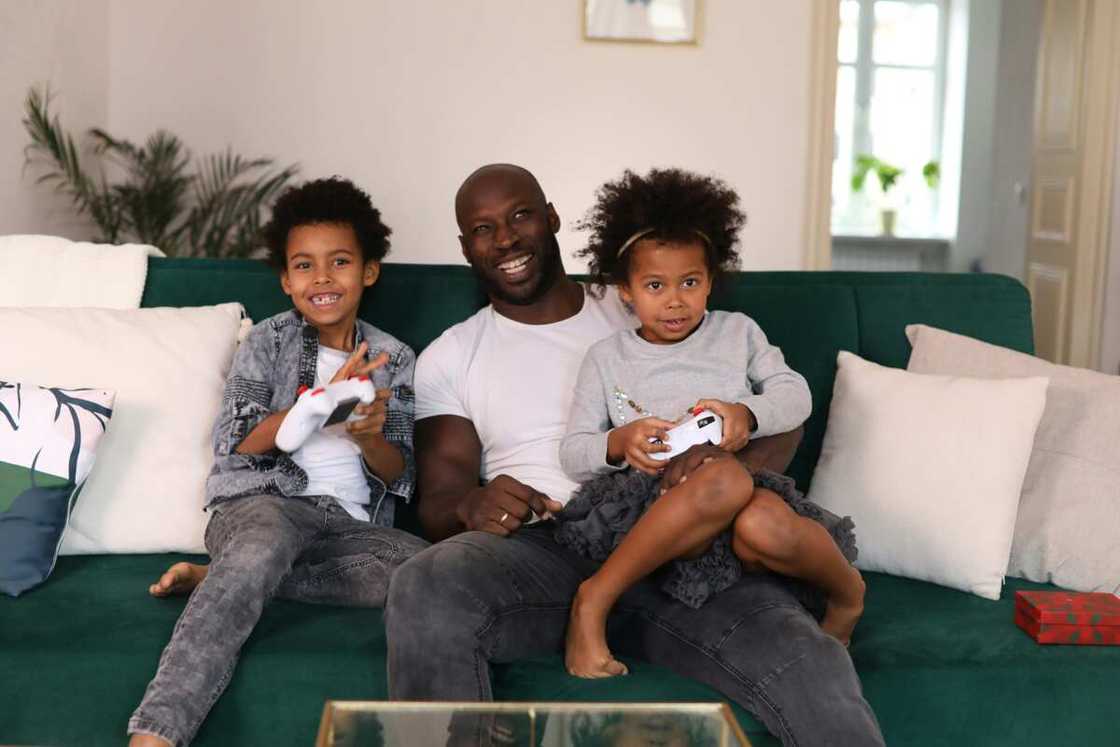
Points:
[[307, 549], [477, 598]]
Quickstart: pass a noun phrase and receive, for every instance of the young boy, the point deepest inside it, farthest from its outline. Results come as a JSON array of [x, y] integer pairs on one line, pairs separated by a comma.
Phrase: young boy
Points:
[[293, 524]]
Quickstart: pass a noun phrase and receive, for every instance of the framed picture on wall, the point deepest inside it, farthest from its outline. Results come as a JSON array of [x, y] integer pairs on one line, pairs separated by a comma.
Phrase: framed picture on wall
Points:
[[649, 21]]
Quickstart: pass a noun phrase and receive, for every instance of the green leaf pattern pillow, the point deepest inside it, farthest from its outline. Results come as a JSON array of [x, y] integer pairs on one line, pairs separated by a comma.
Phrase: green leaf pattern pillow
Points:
[[48, 440]]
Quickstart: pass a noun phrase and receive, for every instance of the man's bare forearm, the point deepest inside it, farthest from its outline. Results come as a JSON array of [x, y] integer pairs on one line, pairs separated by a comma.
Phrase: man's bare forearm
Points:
[[439, 514], [448, 458], [773, 453]]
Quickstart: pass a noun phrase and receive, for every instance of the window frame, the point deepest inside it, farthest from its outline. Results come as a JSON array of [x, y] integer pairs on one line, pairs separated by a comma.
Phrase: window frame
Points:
[[865, 67]]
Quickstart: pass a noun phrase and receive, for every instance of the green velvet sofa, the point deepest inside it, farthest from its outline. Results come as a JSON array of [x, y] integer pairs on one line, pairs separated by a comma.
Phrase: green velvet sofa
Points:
[[939, 666]]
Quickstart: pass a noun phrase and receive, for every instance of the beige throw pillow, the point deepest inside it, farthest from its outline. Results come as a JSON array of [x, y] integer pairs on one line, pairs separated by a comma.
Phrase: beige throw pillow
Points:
[[1068, 530], [929, 468]]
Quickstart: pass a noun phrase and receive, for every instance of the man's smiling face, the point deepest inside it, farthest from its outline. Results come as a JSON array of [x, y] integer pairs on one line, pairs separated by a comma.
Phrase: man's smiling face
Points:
[[509, 234]]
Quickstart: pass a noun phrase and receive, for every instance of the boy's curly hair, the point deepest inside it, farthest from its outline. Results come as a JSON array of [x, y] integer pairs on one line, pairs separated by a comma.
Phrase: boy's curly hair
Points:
[[333, 200], [674, 205]]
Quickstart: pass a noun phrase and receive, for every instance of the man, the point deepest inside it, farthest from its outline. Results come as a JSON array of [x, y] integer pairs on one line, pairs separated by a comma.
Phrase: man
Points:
[[492, 397]]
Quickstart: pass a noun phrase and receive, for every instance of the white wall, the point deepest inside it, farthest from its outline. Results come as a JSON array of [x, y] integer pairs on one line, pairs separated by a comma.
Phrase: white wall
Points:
[[63, 43], [1020, 32], [952, 119], [974, 229], [997, 135], [407, 97]]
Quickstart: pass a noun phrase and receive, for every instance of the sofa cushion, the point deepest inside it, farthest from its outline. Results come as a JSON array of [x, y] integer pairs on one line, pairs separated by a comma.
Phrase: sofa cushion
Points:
[[938, 666], [994, 308], [990, 307]]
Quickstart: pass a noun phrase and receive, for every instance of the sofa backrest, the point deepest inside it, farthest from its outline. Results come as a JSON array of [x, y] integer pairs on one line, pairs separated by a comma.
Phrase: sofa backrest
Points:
[[810, 315]]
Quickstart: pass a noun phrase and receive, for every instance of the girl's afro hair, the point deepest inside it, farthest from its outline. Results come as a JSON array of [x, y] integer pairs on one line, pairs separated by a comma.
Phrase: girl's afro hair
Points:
[[674, 205]]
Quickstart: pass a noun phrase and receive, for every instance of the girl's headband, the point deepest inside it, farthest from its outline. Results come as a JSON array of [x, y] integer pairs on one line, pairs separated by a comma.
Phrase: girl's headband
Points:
[[646, 231]]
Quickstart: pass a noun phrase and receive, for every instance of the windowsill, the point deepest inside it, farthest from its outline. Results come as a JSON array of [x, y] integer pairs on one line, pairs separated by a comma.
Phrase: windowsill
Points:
[[898, 253], [854, 237]]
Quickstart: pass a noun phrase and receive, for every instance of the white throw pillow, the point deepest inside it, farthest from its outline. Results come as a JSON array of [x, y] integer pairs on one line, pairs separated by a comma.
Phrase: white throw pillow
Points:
[[1068, 530], [53, 271], [168, 367], [929, 468]]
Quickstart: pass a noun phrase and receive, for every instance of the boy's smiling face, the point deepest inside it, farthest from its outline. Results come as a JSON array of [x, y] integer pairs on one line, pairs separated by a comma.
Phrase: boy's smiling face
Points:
[[325, 275]]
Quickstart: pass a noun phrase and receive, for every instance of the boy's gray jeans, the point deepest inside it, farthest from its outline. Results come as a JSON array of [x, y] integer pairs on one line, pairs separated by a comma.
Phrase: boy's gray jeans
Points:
[[307, 549], [477, 598]]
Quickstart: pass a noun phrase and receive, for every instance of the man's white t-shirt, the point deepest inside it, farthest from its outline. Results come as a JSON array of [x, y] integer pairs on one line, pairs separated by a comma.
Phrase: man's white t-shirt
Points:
[[514, 381]]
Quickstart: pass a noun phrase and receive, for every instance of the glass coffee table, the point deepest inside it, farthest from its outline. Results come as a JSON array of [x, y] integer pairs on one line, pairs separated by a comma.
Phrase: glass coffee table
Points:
[[349, 723]]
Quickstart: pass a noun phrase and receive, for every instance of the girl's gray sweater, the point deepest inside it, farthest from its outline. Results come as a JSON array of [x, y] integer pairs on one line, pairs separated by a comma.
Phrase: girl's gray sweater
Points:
[[624, 378]]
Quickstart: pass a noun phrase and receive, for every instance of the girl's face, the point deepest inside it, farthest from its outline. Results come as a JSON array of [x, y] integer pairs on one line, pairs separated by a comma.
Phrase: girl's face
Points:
[[668, 286]]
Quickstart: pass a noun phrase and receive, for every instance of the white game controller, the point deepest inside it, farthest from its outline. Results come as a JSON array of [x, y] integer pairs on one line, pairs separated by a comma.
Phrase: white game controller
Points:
[[702, 428], [320, 407]]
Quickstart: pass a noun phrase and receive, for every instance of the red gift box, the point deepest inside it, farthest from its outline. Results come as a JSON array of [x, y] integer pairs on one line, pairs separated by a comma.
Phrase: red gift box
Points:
[[1081, 618]]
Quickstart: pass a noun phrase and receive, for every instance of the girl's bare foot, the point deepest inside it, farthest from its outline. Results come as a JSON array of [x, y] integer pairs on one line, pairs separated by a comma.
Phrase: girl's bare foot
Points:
[[842, 614], [585, 652], [147, 740], [180, 578]]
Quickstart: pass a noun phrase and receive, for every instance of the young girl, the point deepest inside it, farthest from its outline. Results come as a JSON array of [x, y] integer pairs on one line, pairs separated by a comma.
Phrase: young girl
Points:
[[662, 239]]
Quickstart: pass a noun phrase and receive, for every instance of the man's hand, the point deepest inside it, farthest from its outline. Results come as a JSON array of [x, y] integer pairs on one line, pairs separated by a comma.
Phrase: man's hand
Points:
[[681, 466], [503, 505], [631, 443], [737, 422]]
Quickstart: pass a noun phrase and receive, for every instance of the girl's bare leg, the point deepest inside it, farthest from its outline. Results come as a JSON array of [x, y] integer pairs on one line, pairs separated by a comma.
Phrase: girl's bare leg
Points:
[[682, 520], [769, 533]]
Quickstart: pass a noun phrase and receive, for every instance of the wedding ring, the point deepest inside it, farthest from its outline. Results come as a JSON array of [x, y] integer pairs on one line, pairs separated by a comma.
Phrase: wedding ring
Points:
[[504, 517]]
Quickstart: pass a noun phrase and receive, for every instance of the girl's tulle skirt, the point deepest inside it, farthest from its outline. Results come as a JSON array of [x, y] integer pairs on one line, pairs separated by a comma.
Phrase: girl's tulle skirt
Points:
[[605, 508]]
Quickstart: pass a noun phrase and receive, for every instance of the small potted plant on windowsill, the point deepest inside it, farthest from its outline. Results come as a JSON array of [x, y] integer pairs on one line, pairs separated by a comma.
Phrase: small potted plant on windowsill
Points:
[[931, 172], [888, 177]]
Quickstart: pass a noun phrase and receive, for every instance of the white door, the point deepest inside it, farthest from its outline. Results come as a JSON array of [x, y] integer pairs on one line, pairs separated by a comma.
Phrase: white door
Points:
[[1075, 128]]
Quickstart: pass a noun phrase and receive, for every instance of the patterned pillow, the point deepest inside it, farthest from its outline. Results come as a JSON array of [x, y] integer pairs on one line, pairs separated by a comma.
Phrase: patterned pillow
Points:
[[48, 437]]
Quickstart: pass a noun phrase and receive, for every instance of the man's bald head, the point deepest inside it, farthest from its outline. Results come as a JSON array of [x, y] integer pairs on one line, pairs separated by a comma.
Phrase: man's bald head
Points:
[[495, 178], [508, 235]]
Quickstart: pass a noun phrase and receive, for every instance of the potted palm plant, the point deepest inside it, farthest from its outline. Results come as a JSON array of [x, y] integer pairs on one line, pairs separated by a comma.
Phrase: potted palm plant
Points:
[[160, 195]]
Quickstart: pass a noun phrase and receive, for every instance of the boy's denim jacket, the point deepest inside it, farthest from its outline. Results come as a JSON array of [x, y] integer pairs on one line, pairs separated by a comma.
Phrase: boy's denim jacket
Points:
[[278, 356]]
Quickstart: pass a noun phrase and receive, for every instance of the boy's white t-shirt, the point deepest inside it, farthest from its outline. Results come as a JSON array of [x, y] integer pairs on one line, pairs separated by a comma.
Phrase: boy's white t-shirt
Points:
[[331, 459], [514, 381]]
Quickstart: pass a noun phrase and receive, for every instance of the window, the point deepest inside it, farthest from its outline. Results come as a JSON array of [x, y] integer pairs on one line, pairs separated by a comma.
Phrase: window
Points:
[[889, 102]]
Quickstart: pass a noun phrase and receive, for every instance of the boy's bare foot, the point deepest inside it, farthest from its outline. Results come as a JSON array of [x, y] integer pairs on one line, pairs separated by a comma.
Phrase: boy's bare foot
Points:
[[180, 578], [585, 652], [147, 740], [841, 615]]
